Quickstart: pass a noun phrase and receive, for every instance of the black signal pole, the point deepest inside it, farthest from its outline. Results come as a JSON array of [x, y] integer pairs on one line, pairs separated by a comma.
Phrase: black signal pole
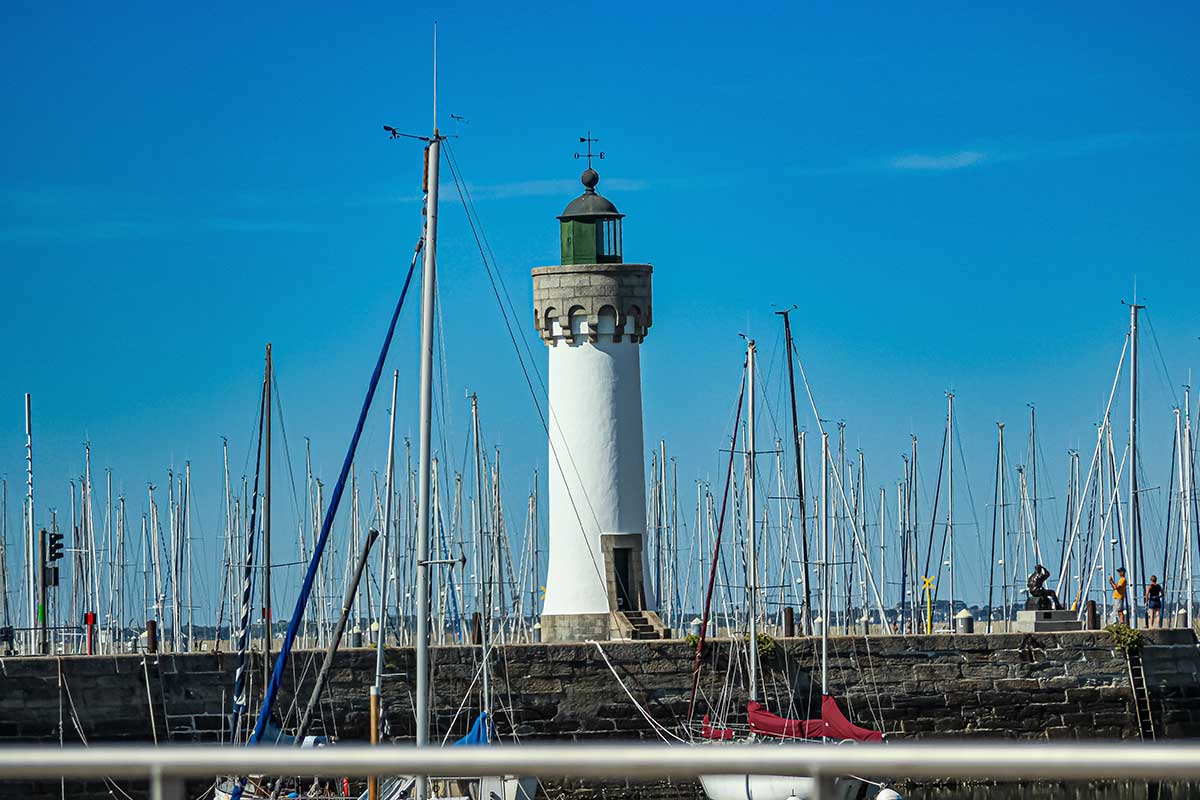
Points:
[[42, 622]]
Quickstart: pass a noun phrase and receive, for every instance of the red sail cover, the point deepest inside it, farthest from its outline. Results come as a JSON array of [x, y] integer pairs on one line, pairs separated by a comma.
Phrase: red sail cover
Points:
[[710, 731], [832, 724]]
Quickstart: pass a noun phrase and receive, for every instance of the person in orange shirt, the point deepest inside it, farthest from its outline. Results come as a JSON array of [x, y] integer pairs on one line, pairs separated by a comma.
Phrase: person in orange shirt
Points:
[[1120, 590]]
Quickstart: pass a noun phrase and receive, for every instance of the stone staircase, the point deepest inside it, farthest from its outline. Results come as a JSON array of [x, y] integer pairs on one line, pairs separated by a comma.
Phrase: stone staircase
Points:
[[645, 625]]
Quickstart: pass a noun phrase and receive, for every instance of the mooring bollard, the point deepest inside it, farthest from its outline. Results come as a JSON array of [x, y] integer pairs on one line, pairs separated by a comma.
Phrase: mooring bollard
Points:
[[151, 636], [89, 622], [537, 632], [476, 628], [964, 622], [694, 627], [1093, 619], [789, 621]]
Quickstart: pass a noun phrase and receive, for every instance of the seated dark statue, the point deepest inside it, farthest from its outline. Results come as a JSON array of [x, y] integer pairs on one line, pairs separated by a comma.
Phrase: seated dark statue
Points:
[[1040, 598]]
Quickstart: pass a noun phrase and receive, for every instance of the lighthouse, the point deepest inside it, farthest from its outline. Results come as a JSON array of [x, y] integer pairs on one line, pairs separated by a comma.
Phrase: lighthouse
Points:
[[593, 312]]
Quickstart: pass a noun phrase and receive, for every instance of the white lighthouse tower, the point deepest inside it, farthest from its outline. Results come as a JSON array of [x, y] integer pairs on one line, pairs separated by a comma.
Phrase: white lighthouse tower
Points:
[[593, 312]]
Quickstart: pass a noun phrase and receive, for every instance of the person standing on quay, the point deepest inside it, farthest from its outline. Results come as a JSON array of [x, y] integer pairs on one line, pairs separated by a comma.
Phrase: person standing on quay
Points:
[[1154, 598], [1120, 589]]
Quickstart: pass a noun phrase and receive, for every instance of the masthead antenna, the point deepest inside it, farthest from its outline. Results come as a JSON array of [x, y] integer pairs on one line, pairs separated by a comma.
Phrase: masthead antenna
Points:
[[435, 77]]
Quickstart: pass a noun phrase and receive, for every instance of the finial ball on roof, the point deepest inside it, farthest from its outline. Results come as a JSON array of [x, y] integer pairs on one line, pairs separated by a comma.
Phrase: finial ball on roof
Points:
[[590, 205]]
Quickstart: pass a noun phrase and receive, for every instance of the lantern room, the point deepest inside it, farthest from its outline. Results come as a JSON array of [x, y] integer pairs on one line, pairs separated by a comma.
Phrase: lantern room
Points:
[[591, 226]]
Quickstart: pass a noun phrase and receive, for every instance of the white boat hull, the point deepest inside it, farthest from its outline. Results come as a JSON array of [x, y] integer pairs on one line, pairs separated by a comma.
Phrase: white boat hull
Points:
[[758, 787], [789, 787]]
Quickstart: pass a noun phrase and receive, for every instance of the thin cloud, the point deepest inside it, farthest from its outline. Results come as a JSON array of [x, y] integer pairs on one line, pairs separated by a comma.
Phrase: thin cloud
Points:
[[69, 214], [125, 230], [1008, 151], [548, 188], [956, 160], [1069, 148], [317, 199]]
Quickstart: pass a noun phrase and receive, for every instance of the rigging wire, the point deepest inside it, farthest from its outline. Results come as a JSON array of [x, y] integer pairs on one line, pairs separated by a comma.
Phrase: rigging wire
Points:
[[240, 690], [712, 575], [469, 204], [1164, 374], [287, 456], [476, 227], [272, 688]]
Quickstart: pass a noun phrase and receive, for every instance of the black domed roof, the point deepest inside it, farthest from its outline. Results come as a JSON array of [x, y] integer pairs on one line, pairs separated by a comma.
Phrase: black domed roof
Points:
[[590, 204]]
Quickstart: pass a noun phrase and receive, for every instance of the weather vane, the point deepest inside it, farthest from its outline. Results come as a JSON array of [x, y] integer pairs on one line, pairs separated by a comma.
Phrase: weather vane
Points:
[[589, 154]]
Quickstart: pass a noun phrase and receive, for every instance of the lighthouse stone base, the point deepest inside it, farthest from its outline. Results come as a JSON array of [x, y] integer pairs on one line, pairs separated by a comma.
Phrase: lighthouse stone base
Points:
[[624, 584], [575, 627], [615, 625]]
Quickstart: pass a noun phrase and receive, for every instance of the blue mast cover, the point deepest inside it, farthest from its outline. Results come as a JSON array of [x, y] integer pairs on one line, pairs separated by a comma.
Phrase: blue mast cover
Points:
[[480, 732]]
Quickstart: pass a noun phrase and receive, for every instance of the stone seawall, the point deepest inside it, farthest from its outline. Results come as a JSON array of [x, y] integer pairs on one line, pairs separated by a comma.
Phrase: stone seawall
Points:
[[1032, 686], [1072, 685]]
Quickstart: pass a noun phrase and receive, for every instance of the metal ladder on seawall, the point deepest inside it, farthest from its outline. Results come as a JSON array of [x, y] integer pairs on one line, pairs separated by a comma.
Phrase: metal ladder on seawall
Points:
[[1141, 695]]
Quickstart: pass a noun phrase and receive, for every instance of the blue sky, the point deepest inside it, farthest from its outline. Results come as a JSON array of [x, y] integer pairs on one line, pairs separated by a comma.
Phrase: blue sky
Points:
[[955, 197]]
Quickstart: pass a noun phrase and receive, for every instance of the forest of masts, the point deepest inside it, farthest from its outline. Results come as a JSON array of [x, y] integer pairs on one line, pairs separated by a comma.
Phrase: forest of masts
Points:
[[904, 556]]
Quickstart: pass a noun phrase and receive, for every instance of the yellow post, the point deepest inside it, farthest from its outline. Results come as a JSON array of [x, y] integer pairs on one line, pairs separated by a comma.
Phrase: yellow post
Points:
[[928, 587], [373, 781]]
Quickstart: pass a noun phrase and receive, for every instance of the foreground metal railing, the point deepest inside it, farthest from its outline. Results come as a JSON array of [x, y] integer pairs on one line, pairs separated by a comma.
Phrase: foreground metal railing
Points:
[[166, 767]]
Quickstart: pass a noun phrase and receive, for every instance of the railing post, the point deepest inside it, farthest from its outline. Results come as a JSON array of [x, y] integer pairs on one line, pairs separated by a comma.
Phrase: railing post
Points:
[[165, 787]]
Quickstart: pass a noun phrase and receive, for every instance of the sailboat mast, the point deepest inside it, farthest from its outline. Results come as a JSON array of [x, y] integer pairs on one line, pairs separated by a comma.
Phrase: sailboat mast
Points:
[[93, 551], [267, 520], [33, 572], [119, 620], [1186, 499], [4, 550], [950, 502], [1032, 502], [228, 565], [995, 510], [404, 600], [483, 549], [428, 295], [187, 534], [806, 608], [1002, 463], [389, 483], [824, 564], [376, 695], [176, 572], [901, 531], [751, 523], [663, 551], [534, 552], [1135, 522], [677, 599], [882, 549], [110, 552], [860, 506]]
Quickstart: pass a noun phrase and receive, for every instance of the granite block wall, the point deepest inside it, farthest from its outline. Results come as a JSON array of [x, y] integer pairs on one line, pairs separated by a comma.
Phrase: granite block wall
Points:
[[1072, 685]]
